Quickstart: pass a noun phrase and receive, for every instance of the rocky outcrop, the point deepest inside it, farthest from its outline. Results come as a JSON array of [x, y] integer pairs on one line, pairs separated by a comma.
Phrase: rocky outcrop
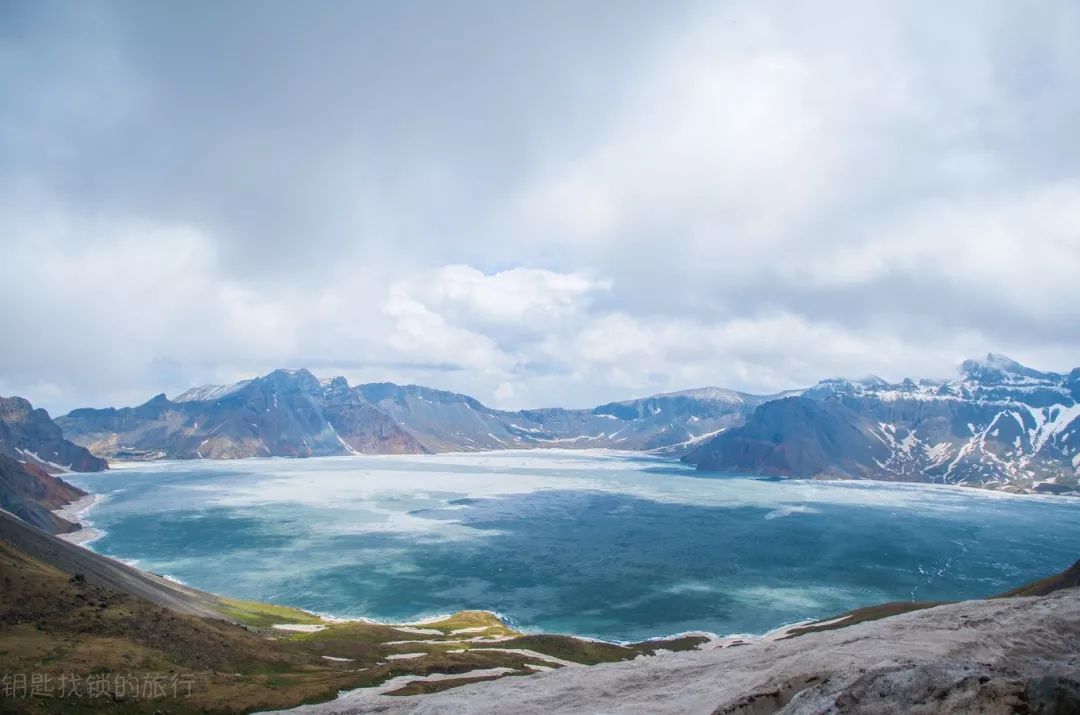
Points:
[[999, 424]]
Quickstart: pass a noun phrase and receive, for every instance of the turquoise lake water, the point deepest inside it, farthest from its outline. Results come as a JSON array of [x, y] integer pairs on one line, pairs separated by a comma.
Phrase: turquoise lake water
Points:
[[608, 545]]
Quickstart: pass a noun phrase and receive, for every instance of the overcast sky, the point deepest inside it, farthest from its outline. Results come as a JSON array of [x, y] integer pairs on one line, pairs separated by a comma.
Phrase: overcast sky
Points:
[[535, 203]]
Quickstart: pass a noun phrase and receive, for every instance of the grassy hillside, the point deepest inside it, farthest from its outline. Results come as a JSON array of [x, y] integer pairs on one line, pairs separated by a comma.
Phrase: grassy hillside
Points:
[[80, 633]]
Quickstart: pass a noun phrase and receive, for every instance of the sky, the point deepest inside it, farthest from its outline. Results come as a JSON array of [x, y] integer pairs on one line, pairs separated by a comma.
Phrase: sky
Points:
[[536, 203]]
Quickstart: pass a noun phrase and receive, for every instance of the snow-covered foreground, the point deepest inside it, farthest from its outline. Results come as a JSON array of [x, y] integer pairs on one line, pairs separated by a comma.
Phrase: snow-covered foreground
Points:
[[976, 656]]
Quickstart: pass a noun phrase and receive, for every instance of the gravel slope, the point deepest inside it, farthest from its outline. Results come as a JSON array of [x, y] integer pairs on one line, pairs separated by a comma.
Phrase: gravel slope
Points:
[[103, 571]]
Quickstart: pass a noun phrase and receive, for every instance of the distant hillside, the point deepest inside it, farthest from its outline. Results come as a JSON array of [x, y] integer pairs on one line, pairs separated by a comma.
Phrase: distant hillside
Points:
[[998, 424], [292, 413], [32, 450]]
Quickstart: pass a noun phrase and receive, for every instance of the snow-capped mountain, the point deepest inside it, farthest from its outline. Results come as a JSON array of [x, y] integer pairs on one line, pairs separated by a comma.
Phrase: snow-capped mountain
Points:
[[292, 413], [998, 423]]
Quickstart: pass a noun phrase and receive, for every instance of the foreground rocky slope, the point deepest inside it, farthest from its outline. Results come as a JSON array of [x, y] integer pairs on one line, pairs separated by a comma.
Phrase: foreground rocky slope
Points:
[[1008, 655], [32, 451], [292, 413], [999, 424]]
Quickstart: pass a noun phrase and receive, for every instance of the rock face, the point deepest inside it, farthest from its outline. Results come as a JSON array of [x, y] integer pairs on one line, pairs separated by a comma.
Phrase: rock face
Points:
[[32, 449], [292, 413], [998, 424]]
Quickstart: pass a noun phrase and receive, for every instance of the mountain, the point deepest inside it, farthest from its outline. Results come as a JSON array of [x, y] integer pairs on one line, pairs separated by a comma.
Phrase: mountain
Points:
[[446, 421], [292, 413], [286, 413], [32, 450], [30, 435], [998, 424]]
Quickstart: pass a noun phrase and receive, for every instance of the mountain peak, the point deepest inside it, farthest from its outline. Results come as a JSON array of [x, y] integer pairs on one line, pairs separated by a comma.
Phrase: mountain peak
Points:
[[1002, 362], [711, 394], [210, 392], [996, 367]]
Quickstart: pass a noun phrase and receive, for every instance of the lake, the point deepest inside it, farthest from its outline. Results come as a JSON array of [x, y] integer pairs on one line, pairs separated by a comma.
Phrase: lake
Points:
[[605, 544]]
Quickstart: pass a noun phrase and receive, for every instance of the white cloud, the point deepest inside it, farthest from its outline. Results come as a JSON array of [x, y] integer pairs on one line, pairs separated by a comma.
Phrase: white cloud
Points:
[[524, 298], [746, 194]]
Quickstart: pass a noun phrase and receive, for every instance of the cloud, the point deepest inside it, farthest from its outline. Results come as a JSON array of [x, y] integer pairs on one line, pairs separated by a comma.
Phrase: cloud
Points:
[[523, 300], [553, 204]]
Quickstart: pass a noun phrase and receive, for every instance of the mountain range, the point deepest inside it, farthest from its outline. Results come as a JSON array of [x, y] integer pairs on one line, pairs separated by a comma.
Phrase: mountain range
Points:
[[292, 413], [998, 424]]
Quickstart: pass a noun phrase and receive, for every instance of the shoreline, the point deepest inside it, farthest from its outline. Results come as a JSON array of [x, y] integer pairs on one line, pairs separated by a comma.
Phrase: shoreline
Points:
[[691, 472], [76, 512]]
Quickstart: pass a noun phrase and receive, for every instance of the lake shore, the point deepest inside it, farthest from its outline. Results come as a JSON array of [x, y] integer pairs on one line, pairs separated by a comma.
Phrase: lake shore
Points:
[[76, 512]]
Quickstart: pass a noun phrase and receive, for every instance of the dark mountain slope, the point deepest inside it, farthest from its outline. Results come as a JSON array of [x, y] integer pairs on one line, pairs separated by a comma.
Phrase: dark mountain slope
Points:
[[32, 494], [998, 424], [797, 437], [30, 435], [32, 450]]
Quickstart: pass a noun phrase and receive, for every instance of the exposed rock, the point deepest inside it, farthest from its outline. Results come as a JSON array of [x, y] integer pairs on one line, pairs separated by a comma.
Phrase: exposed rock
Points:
[[1006, 655], [1052, 695]]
